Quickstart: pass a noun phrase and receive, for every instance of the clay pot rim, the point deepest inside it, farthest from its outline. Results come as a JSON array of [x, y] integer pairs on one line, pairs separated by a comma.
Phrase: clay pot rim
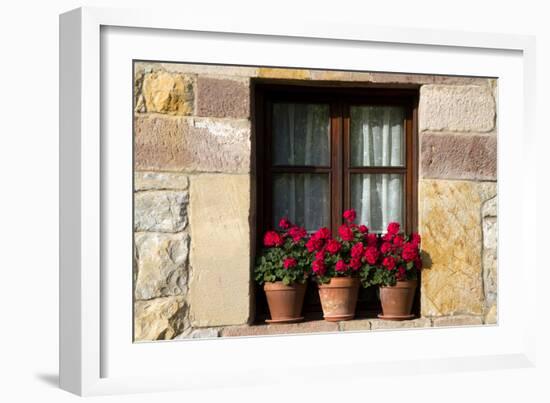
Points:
[[402, 284], [280, 286], [342, 282]]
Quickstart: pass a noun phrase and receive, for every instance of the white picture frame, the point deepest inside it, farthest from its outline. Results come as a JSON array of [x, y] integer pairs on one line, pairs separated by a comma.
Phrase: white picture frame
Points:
[[96, 355]]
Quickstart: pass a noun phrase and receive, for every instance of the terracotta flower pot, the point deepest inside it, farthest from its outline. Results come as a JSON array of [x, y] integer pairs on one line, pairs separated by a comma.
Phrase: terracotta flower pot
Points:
[[397, 300], [285, 301], [339, 298]]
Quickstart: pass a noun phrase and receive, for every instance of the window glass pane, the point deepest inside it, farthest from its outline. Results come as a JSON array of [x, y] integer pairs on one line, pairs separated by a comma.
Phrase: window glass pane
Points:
[[377, 136], [303, 198], [377, 199], [301, 134]]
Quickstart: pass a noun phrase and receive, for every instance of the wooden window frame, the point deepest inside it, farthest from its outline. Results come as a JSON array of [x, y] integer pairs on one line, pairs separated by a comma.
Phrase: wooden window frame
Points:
[[340, 100]]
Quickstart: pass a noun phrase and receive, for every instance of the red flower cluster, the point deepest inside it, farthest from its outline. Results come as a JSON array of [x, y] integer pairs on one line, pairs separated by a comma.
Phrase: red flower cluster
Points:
[[353, 250], [399, 253], [289, 263], [272, 238]]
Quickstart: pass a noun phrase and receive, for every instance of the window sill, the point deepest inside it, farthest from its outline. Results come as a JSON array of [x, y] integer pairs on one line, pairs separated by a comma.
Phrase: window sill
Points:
[[322, 326]]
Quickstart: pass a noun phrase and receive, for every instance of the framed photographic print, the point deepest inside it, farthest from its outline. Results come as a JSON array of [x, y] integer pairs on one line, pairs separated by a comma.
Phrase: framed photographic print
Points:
[[232, 199]]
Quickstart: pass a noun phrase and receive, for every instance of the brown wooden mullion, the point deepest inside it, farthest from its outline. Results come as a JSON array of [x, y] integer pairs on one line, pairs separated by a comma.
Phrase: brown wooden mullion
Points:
[[337, 165]]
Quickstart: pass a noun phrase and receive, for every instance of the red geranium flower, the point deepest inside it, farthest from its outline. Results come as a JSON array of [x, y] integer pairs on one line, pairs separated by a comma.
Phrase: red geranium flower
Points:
[[284, 223], [363, 229], [386, 247], [345, 233], [340, 266], [290, 262], [297, 233], [322, 233], [372, 239], [333, 246], [314, 244], [388, 237], [393, 228], [350, 215], [415, 238], [371, 255], [389, 262], [318, 267], [357, 250], [272, 238], [320, 255], [410, 252], [355, 263], [398, 241]]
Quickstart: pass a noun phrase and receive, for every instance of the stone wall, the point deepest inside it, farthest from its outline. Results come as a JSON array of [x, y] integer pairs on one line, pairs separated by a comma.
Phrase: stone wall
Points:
[[192, 202]]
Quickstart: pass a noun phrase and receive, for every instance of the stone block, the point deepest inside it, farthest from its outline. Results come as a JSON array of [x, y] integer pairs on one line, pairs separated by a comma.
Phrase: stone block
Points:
[[490, 279], [450, 224], [459, 108], [355, 325], [491, 317], [462, 156], [160, 181], [207, 333], [192, 144], [458, 320], [380, 324], [161, 264], [400, 78], [167, 93], [220, 283], [490, 208], [293, 74], [200, 69], [318, 326], [160, 211], [159, 318], [331, 75], [223, 98]]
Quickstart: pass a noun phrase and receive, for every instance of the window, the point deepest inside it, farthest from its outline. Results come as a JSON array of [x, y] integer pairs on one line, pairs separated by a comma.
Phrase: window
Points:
[[322, 150]]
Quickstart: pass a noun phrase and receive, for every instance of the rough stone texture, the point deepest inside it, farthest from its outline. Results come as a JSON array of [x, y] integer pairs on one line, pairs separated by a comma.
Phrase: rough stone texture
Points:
[[379, 324], [167, 93], [458, 320], [490, 207], [219, 289], [491, 315], [490, 246], [331, 75], [222, 98], [462, 156], [179, 144], [355, 325], [290, 328], [205, 69], [160, 181], [295, 74], [207, 333], [159, 318], [160, 211], [450, 223], [461, 80], [456, 108], [161, 268]]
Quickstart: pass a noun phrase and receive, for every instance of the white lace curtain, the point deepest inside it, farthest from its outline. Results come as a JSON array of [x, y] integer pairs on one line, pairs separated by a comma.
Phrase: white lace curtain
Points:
[[377, 139], [301, 138]]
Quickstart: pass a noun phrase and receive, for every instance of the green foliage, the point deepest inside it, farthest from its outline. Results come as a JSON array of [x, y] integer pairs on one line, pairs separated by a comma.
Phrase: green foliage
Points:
[[270, 264]]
